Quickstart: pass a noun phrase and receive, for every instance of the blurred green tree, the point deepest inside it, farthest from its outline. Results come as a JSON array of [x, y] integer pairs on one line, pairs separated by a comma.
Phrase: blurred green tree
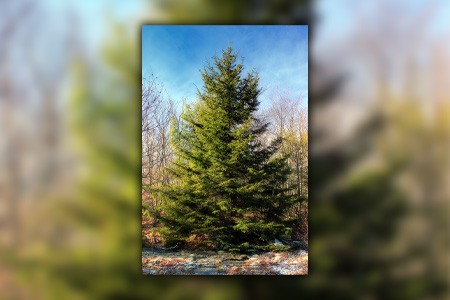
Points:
[[91, 246]]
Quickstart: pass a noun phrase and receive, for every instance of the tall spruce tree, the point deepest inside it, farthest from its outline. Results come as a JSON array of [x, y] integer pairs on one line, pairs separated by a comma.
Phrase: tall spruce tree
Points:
[[229, 190]]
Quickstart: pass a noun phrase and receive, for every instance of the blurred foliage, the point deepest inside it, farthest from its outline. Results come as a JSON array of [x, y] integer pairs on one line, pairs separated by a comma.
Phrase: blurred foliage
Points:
[[107, 125], [378, 201], [234, 11]]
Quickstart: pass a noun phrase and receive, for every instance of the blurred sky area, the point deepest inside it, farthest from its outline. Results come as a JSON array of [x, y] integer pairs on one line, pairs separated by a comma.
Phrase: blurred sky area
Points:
[[94, 17], [176, 54]]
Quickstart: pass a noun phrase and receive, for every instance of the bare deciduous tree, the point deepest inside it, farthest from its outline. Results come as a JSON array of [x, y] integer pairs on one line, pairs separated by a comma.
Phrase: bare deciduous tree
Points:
[[157, 112], [290, 121]]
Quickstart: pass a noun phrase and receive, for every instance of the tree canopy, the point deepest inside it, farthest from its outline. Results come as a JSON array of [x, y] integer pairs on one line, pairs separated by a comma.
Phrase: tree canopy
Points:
[[228, 191]]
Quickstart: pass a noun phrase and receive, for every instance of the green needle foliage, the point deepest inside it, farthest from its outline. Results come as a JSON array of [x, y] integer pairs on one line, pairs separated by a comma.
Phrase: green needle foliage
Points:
[[229, 190]]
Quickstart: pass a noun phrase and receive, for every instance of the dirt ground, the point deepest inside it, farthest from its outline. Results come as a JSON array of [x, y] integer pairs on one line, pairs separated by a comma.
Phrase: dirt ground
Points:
[[158, 262]]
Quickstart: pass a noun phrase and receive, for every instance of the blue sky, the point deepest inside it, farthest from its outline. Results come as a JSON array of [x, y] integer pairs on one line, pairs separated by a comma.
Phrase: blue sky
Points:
[[175, 54]]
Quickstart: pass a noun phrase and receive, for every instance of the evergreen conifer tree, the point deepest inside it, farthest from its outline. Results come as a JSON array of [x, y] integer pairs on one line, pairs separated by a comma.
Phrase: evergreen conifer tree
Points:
[[229, 191]]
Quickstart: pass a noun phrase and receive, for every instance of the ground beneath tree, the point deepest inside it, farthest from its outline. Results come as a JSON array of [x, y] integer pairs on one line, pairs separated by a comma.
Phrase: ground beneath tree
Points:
[[159, 262]]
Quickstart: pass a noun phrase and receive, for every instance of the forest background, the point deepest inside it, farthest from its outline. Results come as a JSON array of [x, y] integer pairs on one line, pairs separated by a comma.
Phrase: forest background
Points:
[[69, 144]]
